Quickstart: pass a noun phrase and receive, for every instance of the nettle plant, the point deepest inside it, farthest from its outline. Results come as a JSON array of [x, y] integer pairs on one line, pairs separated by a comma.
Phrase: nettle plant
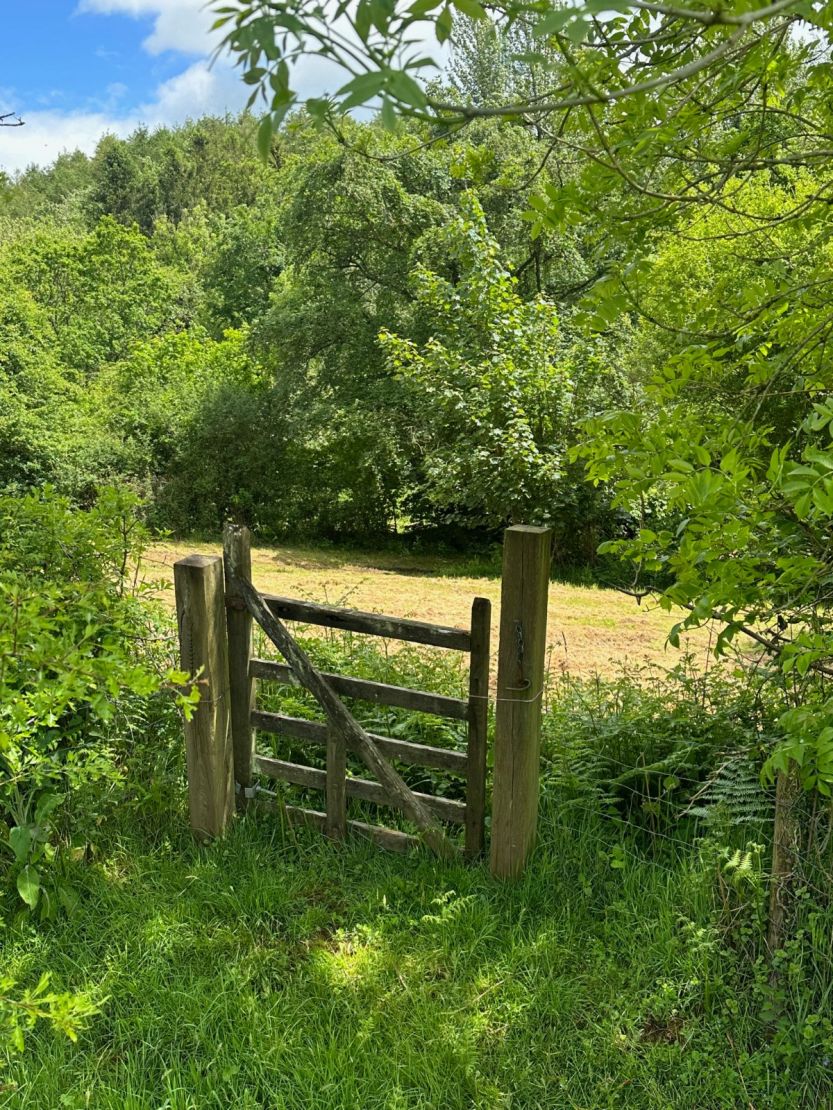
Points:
[[75, 637]]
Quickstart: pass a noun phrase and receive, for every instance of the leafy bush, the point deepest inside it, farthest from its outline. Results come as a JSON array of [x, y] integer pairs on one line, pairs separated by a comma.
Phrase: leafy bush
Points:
[[75, 637]]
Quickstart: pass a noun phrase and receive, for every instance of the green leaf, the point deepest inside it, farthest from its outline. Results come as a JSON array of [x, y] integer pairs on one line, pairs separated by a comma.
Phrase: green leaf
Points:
[[576, 31], [68, 898], [362, 20], [28, 886], [47, 804], [264, 137], [362, 88], [553, 22], [406, 89], [20, 841], [388, 115], [597, 6], [445, 21], [254, 76], [471, 8]]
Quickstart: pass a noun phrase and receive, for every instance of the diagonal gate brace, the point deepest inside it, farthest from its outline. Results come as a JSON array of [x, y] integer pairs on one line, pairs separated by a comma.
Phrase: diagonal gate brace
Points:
[[343, 721]]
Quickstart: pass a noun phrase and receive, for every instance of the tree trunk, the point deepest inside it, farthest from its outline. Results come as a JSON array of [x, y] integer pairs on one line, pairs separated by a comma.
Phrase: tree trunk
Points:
[[786, 846]]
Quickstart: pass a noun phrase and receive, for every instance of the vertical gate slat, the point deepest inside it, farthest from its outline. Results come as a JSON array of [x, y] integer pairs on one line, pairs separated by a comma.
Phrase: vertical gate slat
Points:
[[336, 823], [237, 561], [481, 616]]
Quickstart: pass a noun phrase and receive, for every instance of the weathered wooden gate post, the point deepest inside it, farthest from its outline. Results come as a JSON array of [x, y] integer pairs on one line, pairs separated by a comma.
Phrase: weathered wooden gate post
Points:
[[201, 617], [237, 563], [521, 655]]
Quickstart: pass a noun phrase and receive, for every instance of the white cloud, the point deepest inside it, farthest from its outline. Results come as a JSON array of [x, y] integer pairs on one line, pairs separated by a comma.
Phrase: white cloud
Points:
[[197, 91], [47, 134], [201, 89], [182, 25]]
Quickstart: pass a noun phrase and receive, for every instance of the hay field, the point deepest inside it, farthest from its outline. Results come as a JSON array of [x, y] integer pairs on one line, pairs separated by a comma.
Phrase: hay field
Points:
[[591, 630]]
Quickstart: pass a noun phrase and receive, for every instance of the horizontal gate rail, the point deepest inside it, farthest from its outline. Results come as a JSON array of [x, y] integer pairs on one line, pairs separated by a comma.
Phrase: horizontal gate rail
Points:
[[394, 840], [316, 732], [382, 693], [353, 620], [364, 789]]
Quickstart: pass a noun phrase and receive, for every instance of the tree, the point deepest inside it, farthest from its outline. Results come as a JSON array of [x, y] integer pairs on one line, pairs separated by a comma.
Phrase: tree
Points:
[[490, 66], [489, 398], [124, 184]]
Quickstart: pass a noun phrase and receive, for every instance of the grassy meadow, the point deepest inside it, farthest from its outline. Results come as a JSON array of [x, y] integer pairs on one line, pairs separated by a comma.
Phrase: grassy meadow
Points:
[[275, 970]]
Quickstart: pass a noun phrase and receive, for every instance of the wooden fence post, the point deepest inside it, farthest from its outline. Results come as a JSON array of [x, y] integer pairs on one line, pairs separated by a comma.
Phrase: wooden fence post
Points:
[[237, 563], [201, 617], [521, 656]]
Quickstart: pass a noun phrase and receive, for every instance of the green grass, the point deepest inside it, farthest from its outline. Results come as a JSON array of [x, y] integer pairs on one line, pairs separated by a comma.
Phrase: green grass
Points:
[[277, 970]]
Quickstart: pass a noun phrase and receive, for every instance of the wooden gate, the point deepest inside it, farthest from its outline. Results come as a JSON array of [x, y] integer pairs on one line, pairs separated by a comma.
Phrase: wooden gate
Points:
[[339, 732], [216, 605]]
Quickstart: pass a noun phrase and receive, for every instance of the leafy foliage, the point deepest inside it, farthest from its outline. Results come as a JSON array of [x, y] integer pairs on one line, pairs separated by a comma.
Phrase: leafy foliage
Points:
[[630, 88], [495, 403], [210, 334], [20, 1011], [74, 638], [658, 750]]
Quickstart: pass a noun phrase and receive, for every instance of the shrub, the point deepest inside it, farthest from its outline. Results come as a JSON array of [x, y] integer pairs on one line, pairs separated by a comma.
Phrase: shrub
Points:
[[75, 638]]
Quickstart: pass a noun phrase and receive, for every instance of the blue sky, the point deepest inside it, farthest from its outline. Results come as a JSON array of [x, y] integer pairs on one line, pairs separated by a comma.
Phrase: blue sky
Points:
[[75, 69], [75, 55]]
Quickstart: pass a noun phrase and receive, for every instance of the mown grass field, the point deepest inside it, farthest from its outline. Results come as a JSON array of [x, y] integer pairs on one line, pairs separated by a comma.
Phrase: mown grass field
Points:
[[591, 630]]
